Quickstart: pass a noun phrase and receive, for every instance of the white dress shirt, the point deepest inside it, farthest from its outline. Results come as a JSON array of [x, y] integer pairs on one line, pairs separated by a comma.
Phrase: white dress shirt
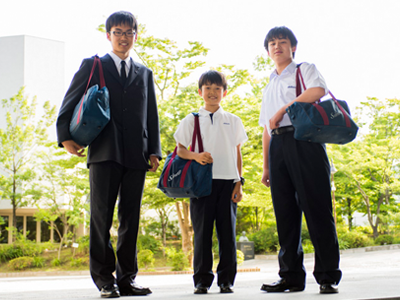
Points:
[[281, 90], [221, 135], [118, 61]]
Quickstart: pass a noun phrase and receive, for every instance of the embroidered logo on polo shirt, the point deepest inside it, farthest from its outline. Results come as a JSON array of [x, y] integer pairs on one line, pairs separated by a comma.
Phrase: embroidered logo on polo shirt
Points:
[[227, 123], [291, 87]]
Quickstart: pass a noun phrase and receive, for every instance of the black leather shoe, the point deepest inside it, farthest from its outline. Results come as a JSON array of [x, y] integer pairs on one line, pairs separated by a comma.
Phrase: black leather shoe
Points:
[[134, 289], [201, 289], [226, 288], [281, 286], [328, 288], [109, 291]]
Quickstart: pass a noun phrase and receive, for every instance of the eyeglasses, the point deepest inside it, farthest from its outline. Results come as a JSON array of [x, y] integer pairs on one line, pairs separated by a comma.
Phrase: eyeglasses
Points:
[[121, 33]]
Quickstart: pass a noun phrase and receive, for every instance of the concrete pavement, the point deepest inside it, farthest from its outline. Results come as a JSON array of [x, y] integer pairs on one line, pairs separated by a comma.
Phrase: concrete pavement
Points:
[[367, 274]]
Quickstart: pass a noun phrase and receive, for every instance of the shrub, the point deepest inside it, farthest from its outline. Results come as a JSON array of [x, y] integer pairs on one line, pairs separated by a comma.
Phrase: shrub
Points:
[[145, 259], [265, 240], [56, 262], [148, 242], [355, 239], [384, 239], [21, 263], [38, 262], [78, 262], [83, 243], [239, 257], [307, 246], [177, 259], [8, 252]]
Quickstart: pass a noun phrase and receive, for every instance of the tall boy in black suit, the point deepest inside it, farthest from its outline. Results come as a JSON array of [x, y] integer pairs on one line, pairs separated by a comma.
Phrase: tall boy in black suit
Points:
[[119, 157]]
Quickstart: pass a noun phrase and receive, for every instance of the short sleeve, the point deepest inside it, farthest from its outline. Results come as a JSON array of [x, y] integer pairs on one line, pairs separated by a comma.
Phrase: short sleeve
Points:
[[312, 77], [184, 132], [241, 136]]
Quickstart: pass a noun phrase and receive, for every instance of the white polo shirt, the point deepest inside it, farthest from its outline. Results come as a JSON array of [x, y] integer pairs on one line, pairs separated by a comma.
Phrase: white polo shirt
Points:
[[221, 134], [281, 89]]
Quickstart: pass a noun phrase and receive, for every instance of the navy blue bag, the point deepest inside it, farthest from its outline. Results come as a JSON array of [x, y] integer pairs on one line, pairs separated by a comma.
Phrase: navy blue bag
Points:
[[92, 113], [328, 121], [181, 178]]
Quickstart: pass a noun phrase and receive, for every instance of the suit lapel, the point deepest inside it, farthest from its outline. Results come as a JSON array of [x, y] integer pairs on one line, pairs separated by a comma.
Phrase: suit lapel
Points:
[[133, 71], [109, 65]]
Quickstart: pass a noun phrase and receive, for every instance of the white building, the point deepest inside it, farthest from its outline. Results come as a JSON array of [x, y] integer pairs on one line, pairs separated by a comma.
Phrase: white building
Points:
[[37, 64]]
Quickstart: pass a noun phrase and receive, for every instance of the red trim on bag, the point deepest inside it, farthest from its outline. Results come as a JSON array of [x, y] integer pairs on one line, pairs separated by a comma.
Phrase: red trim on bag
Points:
[[196, 135], [102, 83], [184, 172], [346, 117], [322, 112], [298, 92]]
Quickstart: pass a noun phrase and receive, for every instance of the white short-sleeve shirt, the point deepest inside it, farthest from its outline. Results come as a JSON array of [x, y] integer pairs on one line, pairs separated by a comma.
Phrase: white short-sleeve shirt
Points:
[[221, 134], [281, 89]]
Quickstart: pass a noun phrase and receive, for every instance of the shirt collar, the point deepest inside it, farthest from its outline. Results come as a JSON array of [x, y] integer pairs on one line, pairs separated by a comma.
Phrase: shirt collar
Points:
[[118, 60], [204, 112], [291, 68]]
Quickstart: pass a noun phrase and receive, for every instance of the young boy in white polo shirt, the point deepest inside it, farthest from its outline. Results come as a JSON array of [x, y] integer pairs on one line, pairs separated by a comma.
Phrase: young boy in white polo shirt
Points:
[[298, 172], [223, 134]]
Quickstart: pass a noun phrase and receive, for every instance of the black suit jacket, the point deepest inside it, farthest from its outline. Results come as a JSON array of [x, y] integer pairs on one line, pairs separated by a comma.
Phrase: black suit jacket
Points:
[[133, 131]]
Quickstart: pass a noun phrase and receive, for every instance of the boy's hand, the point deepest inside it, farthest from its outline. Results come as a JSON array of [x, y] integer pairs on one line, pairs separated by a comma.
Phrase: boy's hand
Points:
[[154, 163], [276, 119], [265, 178], [237, 193], [204, 158], [74, 148]]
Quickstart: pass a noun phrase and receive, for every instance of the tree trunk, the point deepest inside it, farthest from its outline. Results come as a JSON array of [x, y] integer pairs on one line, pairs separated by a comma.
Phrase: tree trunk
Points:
[[349, 214], [186, 227]]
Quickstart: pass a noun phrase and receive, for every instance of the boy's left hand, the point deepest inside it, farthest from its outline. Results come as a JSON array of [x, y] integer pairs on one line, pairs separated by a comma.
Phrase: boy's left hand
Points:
[[154, 163], [237, 193]]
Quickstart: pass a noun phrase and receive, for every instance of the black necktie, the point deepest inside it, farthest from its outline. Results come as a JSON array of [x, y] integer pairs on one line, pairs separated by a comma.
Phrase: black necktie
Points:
[[123, 71]]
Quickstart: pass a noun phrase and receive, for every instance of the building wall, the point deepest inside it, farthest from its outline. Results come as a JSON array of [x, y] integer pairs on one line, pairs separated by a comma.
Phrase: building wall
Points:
[[37, 64]]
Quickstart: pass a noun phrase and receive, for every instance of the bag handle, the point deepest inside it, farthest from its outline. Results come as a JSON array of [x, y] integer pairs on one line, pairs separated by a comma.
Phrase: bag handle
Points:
[[196, 135], [102, 81]]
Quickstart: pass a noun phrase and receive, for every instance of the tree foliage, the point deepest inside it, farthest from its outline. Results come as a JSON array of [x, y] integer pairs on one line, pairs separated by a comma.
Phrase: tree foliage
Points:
[[371, 164], [23, 135]]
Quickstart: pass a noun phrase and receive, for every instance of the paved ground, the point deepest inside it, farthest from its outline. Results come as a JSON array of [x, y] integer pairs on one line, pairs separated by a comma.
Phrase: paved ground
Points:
[[366, 275]]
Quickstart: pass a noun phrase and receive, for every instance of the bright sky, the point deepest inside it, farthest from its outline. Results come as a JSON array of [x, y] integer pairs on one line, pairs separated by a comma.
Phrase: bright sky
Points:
[[354, 43]]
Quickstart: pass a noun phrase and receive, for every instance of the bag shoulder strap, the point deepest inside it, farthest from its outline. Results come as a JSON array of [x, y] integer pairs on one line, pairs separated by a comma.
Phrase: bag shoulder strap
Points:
[[102, 81], [299, 81], [196, 134]]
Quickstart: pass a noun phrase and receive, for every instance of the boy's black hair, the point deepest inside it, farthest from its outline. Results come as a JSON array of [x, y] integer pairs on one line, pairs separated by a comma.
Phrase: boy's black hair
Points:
[[211, 77], [121, 17], [280, 32]]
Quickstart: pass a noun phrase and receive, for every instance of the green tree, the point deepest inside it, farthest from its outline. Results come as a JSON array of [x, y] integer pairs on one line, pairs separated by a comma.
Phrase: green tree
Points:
[[372, 162], [62, 191], [19, 141]]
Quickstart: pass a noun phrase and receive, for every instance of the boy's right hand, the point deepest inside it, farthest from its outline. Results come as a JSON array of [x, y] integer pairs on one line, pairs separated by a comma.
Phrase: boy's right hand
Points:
[[74, 148], [204, 158], [265, 178]]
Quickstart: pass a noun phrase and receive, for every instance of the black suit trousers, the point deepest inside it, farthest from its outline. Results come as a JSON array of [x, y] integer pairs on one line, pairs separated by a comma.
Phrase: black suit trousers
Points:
[[300, 183], [109, 180], [219, 208]]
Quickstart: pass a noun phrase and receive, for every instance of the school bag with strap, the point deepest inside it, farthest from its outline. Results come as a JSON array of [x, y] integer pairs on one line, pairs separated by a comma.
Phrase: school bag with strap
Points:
[[327, 121], [92, 113], [182, 178]]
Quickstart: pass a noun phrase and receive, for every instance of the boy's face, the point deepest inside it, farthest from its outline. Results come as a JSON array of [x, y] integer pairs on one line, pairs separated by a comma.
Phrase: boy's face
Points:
[[280, 50], [212, 95], [121, 45]]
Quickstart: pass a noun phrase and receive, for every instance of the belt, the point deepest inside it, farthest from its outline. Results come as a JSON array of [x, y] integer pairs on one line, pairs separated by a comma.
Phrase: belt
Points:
[[282, 130]]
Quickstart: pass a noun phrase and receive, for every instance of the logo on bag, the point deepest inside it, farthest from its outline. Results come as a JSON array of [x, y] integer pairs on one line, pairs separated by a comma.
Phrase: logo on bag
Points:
[[172, 176], [334, 115]]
